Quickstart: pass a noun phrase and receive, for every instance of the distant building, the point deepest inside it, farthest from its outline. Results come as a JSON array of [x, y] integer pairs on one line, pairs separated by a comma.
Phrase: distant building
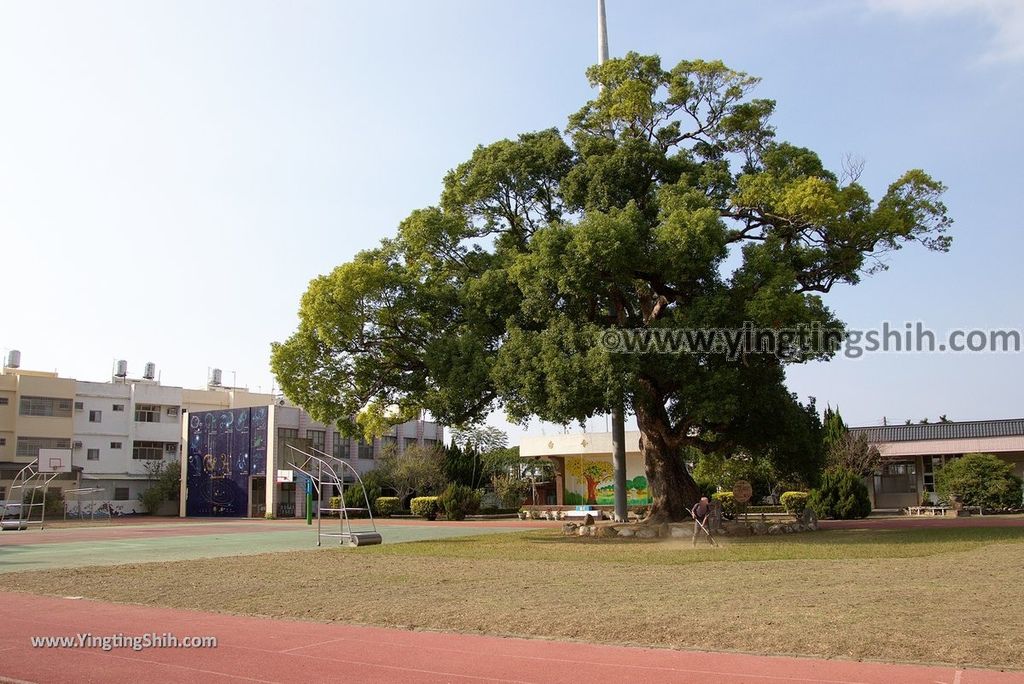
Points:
[[583, 468], [234, 458], [116, 431], [913, 453]]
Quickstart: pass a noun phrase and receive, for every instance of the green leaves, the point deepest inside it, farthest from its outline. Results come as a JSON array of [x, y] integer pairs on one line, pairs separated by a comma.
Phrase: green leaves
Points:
[[979, 480], [670, 204]]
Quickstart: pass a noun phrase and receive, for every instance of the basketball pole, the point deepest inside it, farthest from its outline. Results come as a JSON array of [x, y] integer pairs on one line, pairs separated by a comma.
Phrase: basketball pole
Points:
[[309, 501]]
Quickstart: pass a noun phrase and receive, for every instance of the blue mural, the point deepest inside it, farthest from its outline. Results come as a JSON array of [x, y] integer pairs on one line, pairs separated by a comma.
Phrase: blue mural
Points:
[[225, 448]]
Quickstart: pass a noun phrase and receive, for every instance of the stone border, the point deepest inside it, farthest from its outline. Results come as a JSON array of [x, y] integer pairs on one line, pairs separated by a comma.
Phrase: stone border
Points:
[[684, 530]]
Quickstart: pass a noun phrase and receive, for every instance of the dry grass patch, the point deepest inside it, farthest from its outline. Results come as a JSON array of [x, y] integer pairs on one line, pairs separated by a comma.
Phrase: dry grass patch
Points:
[[948, 596]]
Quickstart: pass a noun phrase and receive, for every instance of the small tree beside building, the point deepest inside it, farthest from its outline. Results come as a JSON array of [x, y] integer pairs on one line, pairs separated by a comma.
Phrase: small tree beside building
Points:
[[979, 480], [166, 478]]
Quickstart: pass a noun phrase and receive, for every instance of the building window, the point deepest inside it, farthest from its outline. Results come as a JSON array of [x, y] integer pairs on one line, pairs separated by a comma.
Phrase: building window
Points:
[[147, 451], [92, 454], [340, 447], [115, 445], [3, 441], [79, 405], [388, 442], [286, 437], [45, 406], [95, 416], [30, 446], [898, 477], [365, 449], [409, 442], [120, 493], [172, 411], [118, 408], [171, 448], [147, 413], [3, 493], [317, 438], [3, 401]]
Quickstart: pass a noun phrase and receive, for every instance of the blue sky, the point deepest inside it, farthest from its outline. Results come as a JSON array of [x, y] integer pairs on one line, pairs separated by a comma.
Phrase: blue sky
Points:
[[172, 174]]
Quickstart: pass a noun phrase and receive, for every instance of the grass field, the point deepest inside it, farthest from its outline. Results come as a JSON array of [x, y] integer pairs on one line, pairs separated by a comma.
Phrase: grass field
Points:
[[934, 595]]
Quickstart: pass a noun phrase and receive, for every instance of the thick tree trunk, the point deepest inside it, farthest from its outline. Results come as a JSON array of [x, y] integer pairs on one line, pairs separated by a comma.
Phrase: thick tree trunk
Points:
[[673, 491]]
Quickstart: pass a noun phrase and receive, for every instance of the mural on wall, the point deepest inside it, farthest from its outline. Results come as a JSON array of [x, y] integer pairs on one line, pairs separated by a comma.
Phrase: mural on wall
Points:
[[225, 448], [595, 486]]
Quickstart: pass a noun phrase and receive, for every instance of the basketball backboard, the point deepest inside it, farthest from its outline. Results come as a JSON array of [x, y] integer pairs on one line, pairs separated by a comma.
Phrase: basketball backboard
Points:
[[54, 460]]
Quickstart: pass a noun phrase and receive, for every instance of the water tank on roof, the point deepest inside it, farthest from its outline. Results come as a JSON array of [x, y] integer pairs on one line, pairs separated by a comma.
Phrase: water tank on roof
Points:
[[122, 369], [13, 359], [215, 377], [150, 371]]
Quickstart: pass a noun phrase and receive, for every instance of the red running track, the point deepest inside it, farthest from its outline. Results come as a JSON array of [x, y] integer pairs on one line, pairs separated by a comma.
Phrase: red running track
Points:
[[263, 650]]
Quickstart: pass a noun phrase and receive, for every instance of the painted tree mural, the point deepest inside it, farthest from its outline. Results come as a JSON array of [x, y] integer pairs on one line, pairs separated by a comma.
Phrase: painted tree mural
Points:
[[637, 488], [593, 472]]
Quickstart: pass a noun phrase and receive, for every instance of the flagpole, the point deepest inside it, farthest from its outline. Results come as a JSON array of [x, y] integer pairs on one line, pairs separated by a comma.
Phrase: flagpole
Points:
[[618, 417]]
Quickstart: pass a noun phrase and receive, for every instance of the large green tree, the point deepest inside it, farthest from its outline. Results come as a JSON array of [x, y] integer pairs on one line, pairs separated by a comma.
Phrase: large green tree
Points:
[[668, 203]]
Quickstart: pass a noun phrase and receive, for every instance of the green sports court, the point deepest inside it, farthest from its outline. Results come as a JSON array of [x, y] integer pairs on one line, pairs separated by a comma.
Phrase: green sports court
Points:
[[141, 542]]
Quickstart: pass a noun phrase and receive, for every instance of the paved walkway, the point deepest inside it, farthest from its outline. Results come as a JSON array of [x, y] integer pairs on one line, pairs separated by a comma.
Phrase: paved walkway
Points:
[[264, 650]]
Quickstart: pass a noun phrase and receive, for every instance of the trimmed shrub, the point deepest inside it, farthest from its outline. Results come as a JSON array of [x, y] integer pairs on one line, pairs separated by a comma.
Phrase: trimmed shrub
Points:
[[387, 506], [458, 501], [333, 502], [979, 480], [794, 502], [355, 498], [728, 502], [841, 496], [424, 506]]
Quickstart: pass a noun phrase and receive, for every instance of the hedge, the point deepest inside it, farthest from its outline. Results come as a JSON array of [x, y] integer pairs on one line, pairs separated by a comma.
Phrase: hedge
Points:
[[842, 495], [728, 502], [458, 501], [425, 507], [387, 506], [356, 498], [794, 502]]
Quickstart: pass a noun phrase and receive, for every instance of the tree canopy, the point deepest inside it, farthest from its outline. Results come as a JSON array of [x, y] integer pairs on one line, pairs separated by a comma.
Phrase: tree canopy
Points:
[[667, 203]]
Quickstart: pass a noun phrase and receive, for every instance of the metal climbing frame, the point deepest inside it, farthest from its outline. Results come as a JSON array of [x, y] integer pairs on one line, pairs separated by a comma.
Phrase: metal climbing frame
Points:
[[29, 479], [322, 472]]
